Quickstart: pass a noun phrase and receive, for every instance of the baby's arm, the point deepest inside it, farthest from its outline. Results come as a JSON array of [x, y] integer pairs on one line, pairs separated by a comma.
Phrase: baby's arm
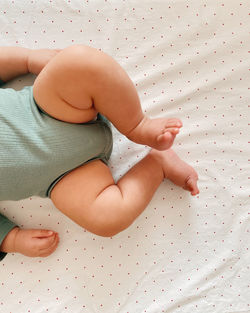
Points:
[[30, 242], [16, 61], [13, 62], [6, 226]]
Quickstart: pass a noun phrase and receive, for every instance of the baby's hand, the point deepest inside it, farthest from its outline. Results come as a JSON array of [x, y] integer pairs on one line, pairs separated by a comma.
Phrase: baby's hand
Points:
[[37, 59], [31, 242]]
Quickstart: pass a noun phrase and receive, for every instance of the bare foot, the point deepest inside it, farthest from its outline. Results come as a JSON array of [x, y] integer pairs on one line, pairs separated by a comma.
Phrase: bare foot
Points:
[[157, 133], [176, 170], [30, 242]]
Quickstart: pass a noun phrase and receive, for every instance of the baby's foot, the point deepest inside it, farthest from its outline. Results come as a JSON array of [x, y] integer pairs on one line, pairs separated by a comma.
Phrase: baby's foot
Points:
[[176, 170], [157, 133], [31, 242]]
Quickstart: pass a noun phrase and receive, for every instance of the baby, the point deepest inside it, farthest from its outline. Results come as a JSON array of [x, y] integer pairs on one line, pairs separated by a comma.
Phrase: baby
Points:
[[56, 141]]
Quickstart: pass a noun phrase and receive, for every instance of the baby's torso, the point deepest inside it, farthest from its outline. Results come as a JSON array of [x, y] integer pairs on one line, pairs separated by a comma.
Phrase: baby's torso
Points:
[[36, 150]]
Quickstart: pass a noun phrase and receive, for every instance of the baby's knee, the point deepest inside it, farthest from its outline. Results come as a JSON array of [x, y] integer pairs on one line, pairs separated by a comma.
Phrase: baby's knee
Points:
[[78, 51], [107, 225], [85, 57], [107, 229]]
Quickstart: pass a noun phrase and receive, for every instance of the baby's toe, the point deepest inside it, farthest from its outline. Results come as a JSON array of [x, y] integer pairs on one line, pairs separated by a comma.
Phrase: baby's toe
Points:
[[172, 130], [165, 141], [174, 122], [191, 185]]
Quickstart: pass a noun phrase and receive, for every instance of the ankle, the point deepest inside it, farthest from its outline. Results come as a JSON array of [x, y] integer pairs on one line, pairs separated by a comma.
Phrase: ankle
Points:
[[136, 134], [156, 162]]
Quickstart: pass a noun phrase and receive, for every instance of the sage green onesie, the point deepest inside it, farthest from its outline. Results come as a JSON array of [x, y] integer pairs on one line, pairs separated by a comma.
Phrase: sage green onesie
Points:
[[37, 150]]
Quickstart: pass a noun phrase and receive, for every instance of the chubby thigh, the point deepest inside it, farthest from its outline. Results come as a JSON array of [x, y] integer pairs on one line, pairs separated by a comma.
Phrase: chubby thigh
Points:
[[63, 87]]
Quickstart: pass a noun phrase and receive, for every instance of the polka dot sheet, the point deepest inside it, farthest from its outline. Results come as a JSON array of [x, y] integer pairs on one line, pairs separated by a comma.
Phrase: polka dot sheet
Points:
[[187, 59]]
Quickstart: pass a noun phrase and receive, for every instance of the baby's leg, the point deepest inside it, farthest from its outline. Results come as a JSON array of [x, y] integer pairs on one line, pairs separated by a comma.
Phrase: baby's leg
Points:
[[81, 81], [89, 196]]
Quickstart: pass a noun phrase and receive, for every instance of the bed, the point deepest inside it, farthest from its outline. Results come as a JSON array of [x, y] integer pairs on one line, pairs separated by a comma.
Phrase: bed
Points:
[[187, 59]]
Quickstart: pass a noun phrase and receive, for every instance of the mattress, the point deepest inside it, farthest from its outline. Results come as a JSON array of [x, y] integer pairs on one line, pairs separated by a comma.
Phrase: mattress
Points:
[[187, 59]]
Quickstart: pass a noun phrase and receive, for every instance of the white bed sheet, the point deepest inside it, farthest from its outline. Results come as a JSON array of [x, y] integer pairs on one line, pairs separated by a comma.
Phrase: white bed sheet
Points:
[[188, 59]]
